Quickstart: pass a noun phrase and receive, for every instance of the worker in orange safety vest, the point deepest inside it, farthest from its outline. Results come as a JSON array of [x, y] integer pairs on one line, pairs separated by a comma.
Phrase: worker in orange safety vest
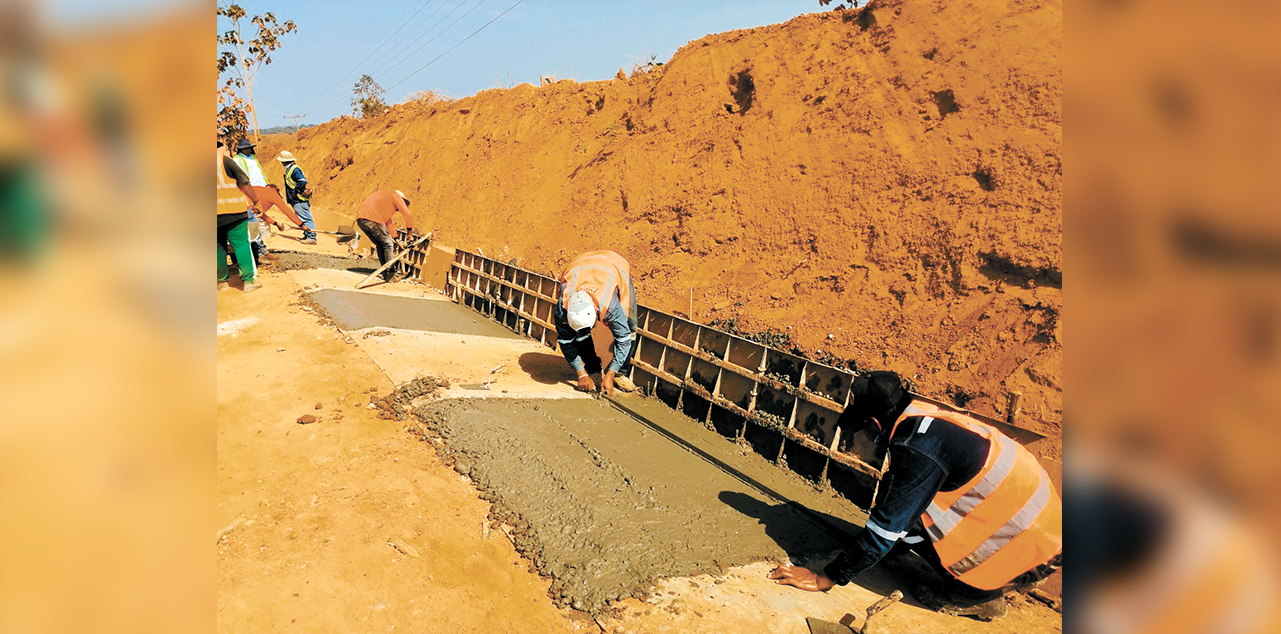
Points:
[[597, 285], [970, 501]]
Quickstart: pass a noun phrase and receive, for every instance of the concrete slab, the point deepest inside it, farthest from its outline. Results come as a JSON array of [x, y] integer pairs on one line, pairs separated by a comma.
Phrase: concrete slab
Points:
[[530, 370], [316, 279]]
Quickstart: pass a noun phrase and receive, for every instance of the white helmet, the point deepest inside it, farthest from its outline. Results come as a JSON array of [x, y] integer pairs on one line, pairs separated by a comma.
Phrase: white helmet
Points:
[[582, 311]]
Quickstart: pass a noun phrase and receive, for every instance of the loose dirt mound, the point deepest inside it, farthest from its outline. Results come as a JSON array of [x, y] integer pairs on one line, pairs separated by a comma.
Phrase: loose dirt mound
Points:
[[884, 181]]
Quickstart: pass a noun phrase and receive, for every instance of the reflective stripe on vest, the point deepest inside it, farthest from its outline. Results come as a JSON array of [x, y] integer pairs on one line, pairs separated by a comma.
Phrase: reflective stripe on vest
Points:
[[291, 183], [244, 162], [1006, 520], [600, 273], [230, 199]]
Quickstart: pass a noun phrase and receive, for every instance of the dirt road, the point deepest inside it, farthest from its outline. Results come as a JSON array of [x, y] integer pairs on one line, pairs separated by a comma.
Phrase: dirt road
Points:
[[350, 523]]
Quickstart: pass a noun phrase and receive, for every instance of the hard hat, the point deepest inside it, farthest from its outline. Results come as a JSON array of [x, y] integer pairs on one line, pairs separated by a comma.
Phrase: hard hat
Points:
[[285, 157], [244, 143], [879, 394], [402, 195], [582, 311]]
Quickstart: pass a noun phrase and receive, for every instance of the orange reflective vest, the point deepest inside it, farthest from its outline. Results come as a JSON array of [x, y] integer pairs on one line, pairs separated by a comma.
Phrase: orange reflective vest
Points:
[[230, 199], [1005, 521], [600, 273]]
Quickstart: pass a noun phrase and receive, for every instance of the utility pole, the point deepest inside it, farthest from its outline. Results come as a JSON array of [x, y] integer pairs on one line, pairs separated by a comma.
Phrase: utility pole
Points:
[[296, 117]]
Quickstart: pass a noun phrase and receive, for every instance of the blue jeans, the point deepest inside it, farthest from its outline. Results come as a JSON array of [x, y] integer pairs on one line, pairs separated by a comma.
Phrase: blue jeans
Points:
[[303, 209]]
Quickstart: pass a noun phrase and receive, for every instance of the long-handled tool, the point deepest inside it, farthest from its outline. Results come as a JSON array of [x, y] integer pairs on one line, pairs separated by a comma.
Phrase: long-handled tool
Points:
[[894, 597], [403, 252]]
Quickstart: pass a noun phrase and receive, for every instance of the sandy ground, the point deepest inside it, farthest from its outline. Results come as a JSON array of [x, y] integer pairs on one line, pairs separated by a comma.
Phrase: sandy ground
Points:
[[352, 524]]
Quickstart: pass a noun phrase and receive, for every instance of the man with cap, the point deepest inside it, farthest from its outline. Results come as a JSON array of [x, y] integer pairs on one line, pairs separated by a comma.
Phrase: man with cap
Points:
[[597, 284], [298, 195], [247, 160], [374, 217], [970, 501]]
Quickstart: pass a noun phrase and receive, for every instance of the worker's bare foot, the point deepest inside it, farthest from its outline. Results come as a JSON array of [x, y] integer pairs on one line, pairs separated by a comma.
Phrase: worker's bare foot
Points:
[[222, 286]]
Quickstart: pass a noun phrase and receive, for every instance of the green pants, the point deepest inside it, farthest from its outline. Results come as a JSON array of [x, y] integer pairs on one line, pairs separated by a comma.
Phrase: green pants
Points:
[[237, 233]]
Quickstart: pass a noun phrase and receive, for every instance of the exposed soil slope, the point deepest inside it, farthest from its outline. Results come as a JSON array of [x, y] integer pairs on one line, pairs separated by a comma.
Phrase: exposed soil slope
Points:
[[890, 177]]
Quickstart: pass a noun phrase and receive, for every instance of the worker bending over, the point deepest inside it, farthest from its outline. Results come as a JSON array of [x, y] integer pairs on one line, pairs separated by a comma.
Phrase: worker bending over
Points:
[[374, 217], [597, 284], [973, 503]]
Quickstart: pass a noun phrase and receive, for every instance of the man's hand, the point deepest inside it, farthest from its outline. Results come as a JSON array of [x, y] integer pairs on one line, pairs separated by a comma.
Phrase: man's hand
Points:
[[607, 384], [585, 383], [803, 578]]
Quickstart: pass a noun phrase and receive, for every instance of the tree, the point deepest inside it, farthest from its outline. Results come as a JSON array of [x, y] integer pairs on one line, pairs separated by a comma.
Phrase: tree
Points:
[[243, 59], [368, 100], [232, 123]]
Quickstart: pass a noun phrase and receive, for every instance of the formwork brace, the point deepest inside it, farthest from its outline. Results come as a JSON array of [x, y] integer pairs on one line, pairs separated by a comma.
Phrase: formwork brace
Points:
[[758, 392]]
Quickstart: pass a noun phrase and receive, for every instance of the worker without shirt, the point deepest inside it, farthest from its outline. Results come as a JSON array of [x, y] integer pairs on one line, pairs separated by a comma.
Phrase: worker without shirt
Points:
[[375, 216], [592, 280], [970, 501]]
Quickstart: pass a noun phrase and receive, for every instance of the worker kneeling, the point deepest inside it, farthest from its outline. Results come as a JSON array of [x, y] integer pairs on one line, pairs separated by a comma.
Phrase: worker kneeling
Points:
[[597, 284], [971, 502]]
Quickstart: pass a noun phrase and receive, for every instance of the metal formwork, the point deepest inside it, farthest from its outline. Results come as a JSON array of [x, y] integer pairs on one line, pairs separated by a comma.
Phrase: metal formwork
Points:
[[782, 406], [412, 264]]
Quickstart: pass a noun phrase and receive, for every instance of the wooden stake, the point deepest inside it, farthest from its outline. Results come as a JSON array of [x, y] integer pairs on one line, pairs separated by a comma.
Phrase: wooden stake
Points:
[[691, 303], [1012, 406]]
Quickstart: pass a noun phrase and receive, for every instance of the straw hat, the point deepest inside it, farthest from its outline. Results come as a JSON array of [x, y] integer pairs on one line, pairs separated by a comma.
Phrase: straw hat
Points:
[[402, 195]]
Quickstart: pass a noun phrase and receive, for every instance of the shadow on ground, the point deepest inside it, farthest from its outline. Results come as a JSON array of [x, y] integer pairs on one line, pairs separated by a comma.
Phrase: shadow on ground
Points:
[[899, 573], [548, 369]]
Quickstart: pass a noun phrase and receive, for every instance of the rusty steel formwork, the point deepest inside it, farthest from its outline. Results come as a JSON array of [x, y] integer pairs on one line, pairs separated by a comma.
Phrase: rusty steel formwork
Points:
[[782, 406]]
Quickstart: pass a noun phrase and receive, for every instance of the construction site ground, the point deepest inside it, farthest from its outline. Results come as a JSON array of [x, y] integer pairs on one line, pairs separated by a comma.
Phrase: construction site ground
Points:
[[353, 523]]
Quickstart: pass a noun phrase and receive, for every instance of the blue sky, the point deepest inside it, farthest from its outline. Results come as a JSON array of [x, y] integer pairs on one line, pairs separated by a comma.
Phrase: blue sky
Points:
[[586, 40]]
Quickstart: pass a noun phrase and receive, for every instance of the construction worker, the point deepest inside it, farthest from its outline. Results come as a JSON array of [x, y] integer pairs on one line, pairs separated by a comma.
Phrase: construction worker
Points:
[[375, 216], [247, 160], [298, 195], [235, 208], [973, 503], [597, 284]]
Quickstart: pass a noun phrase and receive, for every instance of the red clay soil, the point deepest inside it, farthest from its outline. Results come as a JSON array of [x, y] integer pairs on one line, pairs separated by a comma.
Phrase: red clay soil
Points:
[[885, 182]]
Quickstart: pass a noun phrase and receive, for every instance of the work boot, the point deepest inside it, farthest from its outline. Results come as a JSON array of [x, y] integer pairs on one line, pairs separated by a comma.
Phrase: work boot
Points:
[[252, 286], [309, 241], [942, 603], [625, 384]]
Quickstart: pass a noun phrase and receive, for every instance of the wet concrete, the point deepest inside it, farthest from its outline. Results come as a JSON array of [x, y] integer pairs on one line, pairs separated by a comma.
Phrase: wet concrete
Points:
[[297, 260], [607, 504], [352, 311]]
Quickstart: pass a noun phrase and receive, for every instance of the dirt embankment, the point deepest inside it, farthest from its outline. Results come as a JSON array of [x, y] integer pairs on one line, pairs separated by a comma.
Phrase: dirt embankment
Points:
[[885, 182]]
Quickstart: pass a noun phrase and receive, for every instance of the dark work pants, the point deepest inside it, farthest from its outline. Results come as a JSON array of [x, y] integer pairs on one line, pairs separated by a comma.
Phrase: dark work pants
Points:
[[381, 238], [591, 361], [956, 588]]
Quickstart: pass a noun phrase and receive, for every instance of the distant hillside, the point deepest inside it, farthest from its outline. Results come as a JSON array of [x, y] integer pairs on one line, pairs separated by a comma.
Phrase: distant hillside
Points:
[[285, 129]]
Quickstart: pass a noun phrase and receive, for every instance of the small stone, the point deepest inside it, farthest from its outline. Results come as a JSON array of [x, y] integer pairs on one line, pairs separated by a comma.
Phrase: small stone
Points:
[[280, 349], [319, 405], [775, 296], [307, 308], [306, 419]]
